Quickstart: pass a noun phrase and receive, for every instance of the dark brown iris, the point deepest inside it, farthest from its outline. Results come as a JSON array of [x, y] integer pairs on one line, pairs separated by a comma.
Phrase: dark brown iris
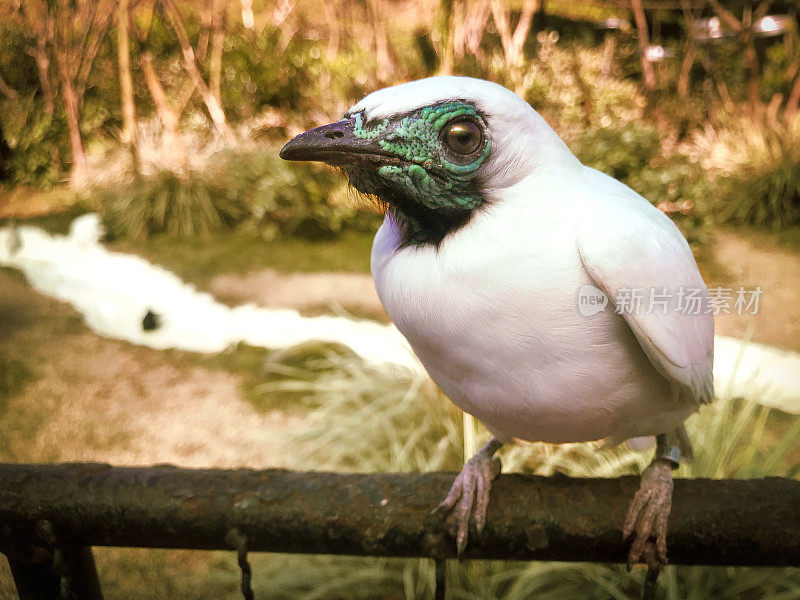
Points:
[[462, 137]]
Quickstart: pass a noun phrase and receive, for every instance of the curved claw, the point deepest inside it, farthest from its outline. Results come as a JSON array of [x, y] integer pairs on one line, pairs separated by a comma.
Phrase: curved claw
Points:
[[468, 498], [648, 515]]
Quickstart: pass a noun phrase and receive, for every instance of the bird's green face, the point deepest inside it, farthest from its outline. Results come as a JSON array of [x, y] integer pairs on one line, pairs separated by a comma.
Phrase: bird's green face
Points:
[[425, 165], [440, 149]]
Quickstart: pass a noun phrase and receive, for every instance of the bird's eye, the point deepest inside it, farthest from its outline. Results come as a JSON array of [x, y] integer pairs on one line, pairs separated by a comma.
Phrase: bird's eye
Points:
[[462, 137]]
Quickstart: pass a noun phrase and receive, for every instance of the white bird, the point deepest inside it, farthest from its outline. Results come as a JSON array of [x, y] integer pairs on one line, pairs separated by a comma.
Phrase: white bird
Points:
[[493, 236]]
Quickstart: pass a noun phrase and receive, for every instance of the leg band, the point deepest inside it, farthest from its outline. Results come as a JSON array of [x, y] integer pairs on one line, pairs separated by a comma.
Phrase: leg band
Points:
[[668, 450]]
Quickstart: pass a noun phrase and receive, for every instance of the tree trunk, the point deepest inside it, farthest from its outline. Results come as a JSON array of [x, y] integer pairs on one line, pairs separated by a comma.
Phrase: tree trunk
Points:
[[208, 9], [80, 167], [793, 101], [513, 43], [523, 28], [332, 16], [169, 118], [752, 71], [212, 102], [609, 51], [442, 34], [644, 44], [475, 26], [98, 27], [750, 63], [686, 68], [43, 67], [218, 23], [43, 29], [383, 53], [711, 64], [126, 84], [690, 52], [248, 19]]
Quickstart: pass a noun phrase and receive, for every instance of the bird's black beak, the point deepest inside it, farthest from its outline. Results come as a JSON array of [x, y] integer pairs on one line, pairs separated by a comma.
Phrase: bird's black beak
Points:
[[335, 144]]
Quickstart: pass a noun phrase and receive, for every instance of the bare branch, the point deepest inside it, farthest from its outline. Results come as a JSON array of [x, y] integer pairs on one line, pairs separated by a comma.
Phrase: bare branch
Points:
[[727, 16], [690, 52], [101, 24], [761, 10], [475, 25], [125, 78], [644, 44], [513, 43], [524, 24], [218, 24], [167, 115], [793, 101], [211, 101]]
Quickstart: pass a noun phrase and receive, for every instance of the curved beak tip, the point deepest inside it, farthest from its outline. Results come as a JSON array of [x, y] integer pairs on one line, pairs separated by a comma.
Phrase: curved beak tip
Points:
[[324, 143], [286, 151], [290, 150]]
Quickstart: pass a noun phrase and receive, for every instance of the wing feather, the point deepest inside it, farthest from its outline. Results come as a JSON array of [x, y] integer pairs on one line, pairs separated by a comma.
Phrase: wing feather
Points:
[[627, 245]]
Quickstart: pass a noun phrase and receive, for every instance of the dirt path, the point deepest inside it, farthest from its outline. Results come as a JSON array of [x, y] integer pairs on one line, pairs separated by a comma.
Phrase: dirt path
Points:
[[310, 293], [748, 260], [93, 399], [755, 260]]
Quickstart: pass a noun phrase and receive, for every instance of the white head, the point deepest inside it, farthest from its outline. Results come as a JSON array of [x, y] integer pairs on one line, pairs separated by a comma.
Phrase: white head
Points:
[[436, 150], [521, 139]]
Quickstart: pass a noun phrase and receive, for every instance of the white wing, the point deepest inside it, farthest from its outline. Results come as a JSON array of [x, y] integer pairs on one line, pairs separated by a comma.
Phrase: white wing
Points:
[[625, 243]]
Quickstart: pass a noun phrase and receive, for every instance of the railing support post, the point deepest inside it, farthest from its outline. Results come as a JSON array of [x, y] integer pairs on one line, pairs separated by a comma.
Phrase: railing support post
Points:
[[82, 573], [441, 578], [74, 565], [58, 571], [34, 576], [39, 581]]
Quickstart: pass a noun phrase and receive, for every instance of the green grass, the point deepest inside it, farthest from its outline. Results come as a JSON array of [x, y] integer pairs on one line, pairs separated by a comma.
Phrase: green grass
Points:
[[199, 259], [13, 376], [12, 273], [789, 238], [754, 165], [268, 376], [170, 203]]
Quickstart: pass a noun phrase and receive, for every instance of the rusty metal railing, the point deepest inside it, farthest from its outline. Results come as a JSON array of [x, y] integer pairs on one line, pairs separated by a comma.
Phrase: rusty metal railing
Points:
[[51, 516]]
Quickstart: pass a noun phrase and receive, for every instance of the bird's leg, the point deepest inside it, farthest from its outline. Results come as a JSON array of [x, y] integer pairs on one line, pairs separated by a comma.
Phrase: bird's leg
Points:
[[649, 511], [468, 499]]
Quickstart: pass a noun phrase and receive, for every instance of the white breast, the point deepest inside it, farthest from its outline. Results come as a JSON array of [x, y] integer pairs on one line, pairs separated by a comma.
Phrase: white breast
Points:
[[493, 315]]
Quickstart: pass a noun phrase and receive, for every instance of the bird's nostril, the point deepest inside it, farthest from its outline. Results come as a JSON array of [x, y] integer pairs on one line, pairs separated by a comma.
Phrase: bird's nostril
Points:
[[332, 135]]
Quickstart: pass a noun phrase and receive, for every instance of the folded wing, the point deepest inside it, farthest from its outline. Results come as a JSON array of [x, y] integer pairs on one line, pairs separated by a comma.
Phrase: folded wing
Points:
[[642, 262]]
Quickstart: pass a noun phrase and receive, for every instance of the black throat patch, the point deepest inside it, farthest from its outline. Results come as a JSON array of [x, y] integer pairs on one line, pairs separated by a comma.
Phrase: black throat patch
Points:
[[419, 225]]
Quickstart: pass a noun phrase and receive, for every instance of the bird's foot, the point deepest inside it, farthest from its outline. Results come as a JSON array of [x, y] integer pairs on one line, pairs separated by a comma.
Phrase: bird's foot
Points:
[[468, 499], [647, 516]]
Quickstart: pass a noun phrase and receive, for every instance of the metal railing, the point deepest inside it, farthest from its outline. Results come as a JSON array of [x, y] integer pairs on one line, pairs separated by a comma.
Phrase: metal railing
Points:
[[51, 516]]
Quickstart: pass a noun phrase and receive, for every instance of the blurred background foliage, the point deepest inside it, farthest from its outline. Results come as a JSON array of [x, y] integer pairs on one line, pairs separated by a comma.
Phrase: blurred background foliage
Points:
[[166, 115]]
